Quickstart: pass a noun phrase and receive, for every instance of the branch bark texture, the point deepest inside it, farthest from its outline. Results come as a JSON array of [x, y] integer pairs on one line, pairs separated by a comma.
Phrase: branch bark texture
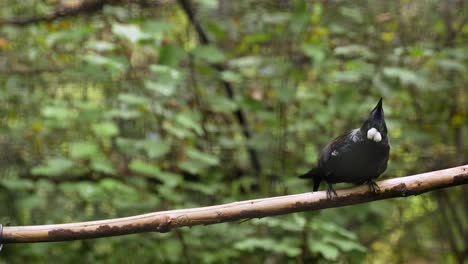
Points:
[[167, 220]]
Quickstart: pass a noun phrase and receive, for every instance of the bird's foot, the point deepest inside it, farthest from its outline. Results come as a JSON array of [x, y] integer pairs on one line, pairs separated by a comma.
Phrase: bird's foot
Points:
[[373, 187], [330, 191]]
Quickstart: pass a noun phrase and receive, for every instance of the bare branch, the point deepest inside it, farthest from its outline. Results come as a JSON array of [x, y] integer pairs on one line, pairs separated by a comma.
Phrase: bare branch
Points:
[[61, 12], [167, 220], [29, 71], [240, 115]]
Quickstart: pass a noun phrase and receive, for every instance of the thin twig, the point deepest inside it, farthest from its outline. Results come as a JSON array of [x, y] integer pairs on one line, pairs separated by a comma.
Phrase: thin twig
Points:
[[240, 115]]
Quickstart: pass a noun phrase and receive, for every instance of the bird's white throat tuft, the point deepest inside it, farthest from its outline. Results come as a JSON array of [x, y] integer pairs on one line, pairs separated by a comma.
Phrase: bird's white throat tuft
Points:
[[374, 134]]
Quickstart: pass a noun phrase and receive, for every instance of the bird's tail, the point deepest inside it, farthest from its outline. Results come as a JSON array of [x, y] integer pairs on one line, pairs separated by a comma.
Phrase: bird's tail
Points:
[[315, 174]]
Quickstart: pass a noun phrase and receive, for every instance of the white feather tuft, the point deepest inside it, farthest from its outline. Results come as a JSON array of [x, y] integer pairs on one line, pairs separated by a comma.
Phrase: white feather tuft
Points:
[[374, 134], [371, 133], [377, 137]]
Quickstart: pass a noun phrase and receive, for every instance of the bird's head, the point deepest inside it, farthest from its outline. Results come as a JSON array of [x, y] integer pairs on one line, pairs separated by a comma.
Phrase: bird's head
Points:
[[374, 127]]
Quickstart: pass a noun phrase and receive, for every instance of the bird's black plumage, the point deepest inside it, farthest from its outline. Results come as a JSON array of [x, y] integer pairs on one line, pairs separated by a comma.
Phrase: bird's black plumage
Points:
[[359, 156]]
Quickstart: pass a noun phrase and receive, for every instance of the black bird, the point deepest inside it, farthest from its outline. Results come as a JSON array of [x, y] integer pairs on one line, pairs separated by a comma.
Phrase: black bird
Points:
[[358, 156]]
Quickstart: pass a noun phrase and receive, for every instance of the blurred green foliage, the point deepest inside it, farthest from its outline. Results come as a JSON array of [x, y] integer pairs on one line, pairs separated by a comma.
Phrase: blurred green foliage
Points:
[[122, 111]]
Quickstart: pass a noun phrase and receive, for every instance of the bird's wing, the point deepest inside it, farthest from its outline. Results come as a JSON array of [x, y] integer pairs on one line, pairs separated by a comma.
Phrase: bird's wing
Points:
[[383, 163], [339, 145]]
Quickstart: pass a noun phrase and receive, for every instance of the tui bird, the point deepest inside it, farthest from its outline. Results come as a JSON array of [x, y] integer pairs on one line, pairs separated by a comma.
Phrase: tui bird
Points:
[[358, 156]]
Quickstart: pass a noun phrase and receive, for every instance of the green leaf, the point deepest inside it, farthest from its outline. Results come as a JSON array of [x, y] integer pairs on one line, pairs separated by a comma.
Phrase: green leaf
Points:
[[171, 55], [103, 165], [295, 225], [87, 106], [328, 251], [105, 129], [405, 76], [354, 51], [346, 245], [133, 99], [352, 13], [347, 76], [247, 61], [334, 228], [216, 30], [83, 150], [100, 46], [158, 26], [58, 112], [452, 65], [255, 38], [221, 104], [156, 149], [177, 130], [142, 167], [131, 32], [190, 120], [19, 184], [165, 74], [314, 52], [379, 82], [197, 161], [127, 145], [54, 167], [68, 36], [230, 76], [116, 64], [118, 188], [207, 159], [267, 244], [209, 53], [208, 4], [191, 166], [119, 12], [125, 113], [202, 188], [277, 18], [285, 93], [168, 178], [160, 88]]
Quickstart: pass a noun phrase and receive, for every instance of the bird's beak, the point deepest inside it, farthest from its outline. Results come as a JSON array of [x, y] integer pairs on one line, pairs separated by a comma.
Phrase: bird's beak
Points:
[[377, 112]]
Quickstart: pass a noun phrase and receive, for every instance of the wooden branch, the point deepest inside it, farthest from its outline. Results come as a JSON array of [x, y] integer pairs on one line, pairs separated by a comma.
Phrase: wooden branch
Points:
[[60, 12], [167, 220]]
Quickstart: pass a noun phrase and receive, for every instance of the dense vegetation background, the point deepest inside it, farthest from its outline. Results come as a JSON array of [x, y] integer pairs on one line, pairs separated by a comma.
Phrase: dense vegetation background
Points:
[[115, 108]]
